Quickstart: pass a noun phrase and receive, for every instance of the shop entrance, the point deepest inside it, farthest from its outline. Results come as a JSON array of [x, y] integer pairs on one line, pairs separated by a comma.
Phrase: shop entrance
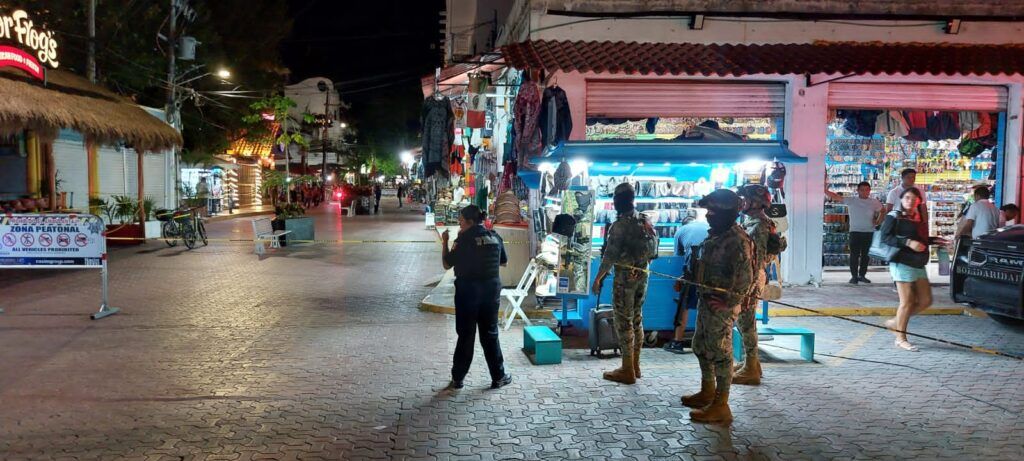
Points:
[[952, 152]]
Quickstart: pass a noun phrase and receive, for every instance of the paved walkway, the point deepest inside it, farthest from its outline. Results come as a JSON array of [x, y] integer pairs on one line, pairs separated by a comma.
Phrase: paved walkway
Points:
[[319, 352]]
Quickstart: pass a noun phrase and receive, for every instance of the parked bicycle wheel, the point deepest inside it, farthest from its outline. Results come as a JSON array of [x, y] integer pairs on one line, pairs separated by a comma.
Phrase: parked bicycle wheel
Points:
[[201, 230], [169, 232], [188, 234]]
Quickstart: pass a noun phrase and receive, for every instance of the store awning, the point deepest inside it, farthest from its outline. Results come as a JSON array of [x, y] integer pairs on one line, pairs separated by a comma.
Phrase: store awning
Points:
[[66, 100], [673, 152], [820, 57]]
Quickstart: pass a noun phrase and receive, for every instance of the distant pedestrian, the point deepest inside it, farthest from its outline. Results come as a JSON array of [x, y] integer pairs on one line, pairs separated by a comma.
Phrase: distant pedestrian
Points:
[[629, 247], [476, 256], [725, 271], [688, 239], [1008, 215], [401, 194], [203, 196], [376, 198], [865, 214], [982, 217], [907, 231]]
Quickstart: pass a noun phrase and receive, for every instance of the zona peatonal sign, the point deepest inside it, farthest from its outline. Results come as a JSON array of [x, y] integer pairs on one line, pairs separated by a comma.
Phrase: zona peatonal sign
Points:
[[19, 29], [59, 241]]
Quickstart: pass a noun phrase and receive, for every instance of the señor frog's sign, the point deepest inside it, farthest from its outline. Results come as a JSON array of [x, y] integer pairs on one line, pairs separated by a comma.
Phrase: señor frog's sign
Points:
[[17, 27]]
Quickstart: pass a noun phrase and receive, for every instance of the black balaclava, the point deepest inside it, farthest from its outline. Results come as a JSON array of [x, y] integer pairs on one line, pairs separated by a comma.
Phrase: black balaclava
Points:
[[623, 198], [722, 220]]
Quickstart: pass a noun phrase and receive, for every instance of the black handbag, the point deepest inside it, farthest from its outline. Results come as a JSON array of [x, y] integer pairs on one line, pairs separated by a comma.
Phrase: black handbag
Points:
[[881, 250]]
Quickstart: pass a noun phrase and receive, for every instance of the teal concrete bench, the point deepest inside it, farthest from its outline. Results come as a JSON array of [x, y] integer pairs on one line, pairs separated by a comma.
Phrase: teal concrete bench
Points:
[[542, 345], [806, 340]]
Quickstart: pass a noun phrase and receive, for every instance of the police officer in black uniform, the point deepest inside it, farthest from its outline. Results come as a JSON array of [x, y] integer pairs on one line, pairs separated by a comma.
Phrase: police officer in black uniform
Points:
[[476, 255]]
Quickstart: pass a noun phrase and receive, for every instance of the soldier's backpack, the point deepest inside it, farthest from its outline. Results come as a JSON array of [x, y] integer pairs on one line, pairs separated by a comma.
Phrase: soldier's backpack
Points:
[[602, 335]]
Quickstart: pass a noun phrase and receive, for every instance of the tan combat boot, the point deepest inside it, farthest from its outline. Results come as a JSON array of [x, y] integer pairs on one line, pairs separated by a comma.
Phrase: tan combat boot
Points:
[[636, 361], [623, 374], [750, 373], [716, 413], [702, 398]]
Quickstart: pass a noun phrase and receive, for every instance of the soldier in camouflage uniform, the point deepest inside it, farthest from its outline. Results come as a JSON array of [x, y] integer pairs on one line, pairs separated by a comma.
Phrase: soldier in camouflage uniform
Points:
[[759, 227], [630, 245], [725, 272]]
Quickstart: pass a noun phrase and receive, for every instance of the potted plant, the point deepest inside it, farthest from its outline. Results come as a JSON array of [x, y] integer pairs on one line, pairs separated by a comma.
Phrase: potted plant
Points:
[[124, 210], [152, 224], [292, 217]]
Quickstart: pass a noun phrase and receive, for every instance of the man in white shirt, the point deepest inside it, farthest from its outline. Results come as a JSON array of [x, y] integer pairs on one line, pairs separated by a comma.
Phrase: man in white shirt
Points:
[[908, 179], [865, 213], [982, 217]]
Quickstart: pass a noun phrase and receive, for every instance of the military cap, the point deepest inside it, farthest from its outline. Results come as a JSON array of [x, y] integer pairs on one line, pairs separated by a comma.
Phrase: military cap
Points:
[[721, 199]]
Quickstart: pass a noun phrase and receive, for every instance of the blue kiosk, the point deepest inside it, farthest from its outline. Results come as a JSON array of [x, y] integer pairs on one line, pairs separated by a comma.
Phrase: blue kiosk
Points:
[[673, 176]]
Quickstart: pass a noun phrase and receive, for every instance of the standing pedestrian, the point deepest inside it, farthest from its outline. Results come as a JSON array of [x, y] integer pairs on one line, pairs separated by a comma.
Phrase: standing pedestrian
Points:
[[688, 239], [376, 197], [476, 255], [761, 230], [401, 194], [907, 231], [725, 274], [203, 195], [865, 214], [982, 217], [908, 179], [629, 247]]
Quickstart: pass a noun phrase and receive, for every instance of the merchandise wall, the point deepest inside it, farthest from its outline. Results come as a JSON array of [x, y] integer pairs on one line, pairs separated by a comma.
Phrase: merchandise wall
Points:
[[869, 147]]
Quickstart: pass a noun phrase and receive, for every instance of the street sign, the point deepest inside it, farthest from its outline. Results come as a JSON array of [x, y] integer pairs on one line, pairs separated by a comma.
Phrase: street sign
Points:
[[28, 240], [56, 241]]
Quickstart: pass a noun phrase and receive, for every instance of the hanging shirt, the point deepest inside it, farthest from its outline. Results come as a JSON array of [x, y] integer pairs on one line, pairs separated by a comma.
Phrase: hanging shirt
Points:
[[437, 121]]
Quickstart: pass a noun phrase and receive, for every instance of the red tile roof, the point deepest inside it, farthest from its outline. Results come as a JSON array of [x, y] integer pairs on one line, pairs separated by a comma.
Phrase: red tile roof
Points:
[[714, 59]]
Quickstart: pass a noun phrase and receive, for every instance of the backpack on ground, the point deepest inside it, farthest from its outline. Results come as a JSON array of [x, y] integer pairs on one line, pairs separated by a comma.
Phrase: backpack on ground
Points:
[[602, 335]]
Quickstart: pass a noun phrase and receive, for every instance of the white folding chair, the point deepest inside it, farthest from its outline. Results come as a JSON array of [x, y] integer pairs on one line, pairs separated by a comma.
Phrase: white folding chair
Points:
[[517, 295]]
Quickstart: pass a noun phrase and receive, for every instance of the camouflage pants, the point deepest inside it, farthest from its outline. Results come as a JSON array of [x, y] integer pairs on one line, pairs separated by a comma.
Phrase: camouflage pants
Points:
[[712, 343], [628, 300], [746, 323]]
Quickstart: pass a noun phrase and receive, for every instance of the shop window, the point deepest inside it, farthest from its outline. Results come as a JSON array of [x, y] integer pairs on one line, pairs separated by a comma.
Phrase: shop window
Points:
[[875, 146], [724, 129]]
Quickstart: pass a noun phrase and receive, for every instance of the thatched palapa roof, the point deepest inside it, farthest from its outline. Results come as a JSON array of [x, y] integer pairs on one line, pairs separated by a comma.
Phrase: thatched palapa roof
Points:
[[69, 101]]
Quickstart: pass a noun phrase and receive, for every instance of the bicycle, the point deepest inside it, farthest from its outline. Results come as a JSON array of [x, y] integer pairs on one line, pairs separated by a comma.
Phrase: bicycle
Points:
[[184, 224]]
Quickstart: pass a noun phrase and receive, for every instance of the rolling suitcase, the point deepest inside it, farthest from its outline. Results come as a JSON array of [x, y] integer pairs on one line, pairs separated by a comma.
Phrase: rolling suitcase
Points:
[[602, 333]]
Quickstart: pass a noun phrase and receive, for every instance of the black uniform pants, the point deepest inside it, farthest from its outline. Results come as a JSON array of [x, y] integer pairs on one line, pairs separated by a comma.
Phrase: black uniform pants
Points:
[[860, 243], [476, 308]]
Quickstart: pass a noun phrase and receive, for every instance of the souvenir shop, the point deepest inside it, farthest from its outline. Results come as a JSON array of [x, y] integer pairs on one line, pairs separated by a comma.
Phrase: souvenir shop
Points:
[[952, 150], [671, 163]]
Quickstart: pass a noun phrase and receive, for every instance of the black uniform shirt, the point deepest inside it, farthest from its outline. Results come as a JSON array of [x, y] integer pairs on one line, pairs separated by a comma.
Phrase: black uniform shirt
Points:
[[477, 254]]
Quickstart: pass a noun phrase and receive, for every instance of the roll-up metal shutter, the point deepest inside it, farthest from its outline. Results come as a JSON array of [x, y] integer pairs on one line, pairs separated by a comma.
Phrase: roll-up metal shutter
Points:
[[684, 98], [988, 98], [72, 164], [111, 165], [132, 172], [155, 176]]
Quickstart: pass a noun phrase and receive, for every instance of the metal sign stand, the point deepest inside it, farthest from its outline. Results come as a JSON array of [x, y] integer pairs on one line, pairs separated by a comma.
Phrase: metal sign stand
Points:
[[105, 309]]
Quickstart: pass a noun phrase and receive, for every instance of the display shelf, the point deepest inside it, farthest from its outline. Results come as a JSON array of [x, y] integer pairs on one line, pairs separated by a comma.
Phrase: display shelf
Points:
[[651, 200]]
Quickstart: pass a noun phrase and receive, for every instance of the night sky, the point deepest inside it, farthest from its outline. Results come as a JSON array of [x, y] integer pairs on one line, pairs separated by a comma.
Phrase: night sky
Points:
[[363, 45]]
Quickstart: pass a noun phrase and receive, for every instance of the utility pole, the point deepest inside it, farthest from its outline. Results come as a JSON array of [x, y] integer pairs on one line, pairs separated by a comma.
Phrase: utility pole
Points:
[[90, 64], [171, 111], [323, 141]]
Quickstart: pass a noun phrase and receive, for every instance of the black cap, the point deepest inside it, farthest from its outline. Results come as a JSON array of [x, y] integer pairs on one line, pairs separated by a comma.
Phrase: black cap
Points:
[[721, 199]]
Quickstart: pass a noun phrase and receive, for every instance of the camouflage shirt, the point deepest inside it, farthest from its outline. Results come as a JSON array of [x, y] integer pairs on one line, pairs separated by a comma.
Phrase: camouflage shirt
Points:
[[726, 262], [759, 229], [630, 241]]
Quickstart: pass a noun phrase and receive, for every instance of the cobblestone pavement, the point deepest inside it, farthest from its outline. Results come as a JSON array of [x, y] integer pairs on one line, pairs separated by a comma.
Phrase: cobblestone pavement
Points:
[[319, 352]]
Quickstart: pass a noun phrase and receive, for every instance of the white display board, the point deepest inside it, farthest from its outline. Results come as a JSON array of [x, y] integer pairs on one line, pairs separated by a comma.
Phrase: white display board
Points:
[[56, 241], [51, 241]]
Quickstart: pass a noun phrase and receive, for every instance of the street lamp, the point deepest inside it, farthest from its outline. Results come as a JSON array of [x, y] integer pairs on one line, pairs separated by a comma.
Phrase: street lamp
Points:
[[343, 125], [406, 157], [224, 74]]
